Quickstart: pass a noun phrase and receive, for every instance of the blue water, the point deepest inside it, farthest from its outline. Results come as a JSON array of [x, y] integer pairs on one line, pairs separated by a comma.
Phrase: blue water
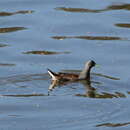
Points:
[[78, 31]]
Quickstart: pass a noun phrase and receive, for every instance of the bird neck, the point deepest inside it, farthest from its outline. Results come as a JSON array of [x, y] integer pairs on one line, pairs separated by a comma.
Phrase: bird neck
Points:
[[85, 74]]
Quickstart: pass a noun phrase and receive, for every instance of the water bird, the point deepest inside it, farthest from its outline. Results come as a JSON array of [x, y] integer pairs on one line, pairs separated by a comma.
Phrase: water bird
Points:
[[66, 77]]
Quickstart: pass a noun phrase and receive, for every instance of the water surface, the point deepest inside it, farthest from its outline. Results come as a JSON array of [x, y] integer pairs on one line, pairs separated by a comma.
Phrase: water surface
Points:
[[62, 36]]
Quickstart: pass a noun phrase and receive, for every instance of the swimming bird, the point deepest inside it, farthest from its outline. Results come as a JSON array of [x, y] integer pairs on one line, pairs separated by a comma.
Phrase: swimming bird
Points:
[[84, 75]]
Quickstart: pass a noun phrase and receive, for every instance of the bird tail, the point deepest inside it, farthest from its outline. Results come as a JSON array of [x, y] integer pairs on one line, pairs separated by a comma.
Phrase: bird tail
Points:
[[52, 74]]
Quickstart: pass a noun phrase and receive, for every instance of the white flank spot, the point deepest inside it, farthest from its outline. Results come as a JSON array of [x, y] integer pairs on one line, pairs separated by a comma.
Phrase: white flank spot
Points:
[[53, 77]]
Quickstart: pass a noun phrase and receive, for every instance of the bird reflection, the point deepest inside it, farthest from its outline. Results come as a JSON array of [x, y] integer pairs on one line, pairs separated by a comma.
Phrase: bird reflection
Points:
[[56, 83], [90, 91]]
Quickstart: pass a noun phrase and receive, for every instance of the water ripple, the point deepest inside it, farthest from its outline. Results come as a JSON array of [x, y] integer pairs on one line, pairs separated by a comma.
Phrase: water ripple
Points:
[[45, 52], [24, 95], [6, 64], [113, 124], [123, 25], [88, 37], [3, 45], [84, 10], [11, 29], [17, 12]]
